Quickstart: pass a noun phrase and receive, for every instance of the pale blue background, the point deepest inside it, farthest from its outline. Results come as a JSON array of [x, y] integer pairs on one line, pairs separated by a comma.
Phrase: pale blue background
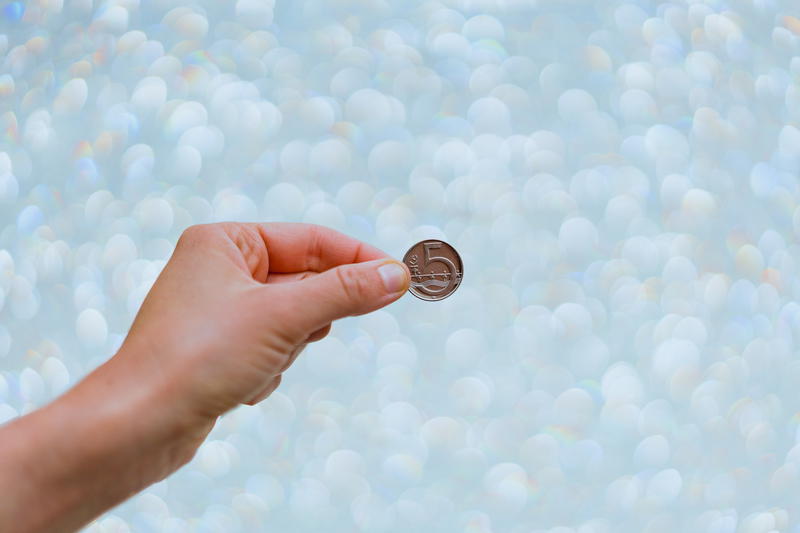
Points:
[[620, 178]]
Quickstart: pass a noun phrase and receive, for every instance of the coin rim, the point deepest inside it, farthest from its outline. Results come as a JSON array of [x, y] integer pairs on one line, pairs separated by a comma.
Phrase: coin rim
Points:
[[458, 255]]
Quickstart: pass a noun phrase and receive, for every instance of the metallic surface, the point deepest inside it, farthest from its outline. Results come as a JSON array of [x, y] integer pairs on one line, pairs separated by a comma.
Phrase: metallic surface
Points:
[[436, 269]]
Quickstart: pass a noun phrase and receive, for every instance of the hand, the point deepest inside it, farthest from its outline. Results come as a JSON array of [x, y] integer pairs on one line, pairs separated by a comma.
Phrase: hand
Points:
[[237, 303], [232, 309]]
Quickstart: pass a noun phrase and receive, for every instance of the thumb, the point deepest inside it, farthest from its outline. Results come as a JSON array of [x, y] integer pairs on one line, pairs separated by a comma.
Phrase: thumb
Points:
[[345, 290]]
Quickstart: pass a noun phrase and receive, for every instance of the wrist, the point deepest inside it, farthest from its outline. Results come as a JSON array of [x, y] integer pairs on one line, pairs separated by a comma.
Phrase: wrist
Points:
[[138, 413], [107, 438]]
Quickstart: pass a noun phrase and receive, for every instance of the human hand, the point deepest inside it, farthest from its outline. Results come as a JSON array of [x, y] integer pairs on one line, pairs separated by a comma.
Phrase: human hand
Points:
[[237, 303], [231, 310]]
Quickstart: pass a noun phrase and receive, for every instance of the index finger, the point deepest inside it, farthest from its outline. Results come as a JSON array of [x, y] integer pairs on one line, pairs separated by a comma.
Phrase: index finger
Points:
[[296, 247]]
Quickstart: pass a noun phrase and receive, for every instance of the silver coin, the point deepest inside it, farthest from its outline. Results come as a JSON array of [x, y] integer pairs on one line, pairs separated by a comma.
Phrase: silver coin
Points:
[[436, 269]]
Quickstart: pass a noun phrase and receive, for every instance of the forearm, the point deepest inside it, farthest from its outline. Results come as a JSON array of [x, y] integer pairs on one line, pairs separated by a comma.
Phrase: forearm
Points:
[[89, 450]]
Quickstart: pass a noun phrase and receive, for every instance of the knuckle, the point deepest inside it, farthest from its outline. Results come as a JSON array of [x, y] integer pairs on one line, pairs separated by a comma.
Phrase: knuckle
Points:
[[319, 241], [265, 392], [315, 245], [319, 334], [195, 229], [289, 361], [288, 331], [194, 233], [353, 286], [251, 245]]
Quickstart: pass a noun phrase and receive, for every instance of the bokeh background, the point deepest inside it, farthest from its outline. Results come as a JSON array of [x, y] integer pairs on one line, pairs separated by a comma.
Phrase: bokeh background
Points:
[[619, 176]]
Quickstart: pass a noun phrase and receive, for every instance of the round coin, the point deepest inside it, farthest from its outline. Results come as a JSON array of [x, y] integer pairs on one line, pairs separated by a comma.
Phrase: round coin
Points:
[[436, 269]]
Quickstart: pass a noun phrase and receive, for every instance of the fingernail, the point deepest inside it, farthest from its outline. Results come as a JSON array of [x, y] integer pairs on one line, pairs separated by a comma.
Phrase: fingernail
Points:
[[393, 276]]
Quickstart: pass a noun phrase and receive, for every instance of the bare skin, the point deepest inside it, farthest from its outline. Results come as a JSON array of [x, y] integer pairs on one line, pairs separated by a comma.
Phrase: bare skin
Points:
[[230, 312]]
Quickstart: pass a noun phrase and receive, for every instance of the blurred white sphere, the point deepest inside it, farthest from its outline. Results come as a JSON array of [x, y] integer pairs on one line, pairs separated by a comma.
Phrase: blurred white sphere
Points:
[[5, 341], [91, 328], [185, 163], [578, 238], [664, 487], [402, 469], [506, 485], [470, 395], [443, 433], [72, 96], [465, 348], [652, 452], [155, 215]]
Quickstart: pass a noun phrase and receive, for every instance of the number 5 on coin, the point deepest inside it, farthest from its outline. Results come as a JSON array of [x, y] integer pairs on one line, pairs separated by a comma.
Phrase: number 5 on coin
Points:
[[427, 281]]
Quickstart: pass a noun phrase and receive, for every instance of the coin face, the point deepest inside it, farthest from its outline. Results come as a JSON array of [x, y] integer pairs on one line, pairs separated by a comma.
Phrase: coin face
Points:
[[436, 269]]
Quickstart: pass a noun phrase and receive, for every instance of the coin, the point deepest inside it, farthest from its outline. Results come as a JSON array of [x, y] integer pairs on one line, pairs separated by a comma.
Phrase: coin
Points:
[[436, 269]]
